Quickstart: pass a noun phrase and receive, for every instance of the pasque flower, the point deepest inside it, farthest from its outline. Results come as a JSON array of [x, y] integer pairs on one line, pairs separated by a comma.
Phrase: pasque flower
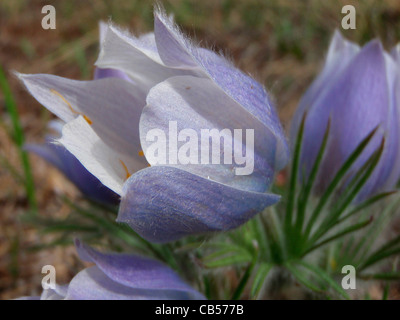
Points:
[[117, 276], [358, 89], [171, 80]]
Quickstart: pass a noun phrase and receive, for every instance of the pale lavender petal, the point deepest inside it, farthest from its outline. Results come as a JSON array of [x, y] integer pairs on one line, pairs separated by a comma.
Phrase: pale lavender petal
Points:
[[198, 104], [357, 102], [173, 47], [133, 275], [340, 53], [28, 298], [137, 57], [177, 51], [100, 73], [58, 293], [250, 94], [94, 284], [165, 203], [395, 53], [388, 170], [112, 106]]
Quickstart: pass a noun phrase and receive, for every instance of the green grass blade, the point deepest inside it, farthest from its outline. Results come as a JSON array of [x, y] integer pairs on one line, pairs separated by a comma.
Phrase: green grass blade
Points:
[[363, 248], [18, 136], [332, 218], [301, 277], [229, 261], [340, 234], [379, 257], [305, 193], [293, 178], [326, 278], [243, 282], [391, 276], [275, 236], [259, 279], [336, 180], [383, 252], [366, 204], [362, 175], [117, 230]]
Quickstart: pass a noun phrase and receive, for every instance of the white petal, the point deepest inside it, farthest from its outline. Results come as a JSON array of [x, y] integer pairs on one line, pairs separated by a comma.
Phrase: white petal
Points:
[[342, 49], [102, 31], [395, 54], [137, 57], [106, 164], [112, 105], [55, 126]]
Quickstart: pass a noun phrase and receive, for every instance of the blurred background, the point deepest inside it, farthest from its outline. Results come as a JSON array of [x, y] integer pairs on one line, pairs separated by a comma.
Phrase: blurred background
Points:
[[282, 43]]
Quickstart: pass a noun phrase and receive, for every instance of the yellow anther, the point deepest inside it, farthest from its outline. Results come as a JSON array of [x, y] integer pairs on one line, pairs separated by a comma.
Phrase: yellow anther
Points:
[[88, 120], [125, 168], [141, 153]]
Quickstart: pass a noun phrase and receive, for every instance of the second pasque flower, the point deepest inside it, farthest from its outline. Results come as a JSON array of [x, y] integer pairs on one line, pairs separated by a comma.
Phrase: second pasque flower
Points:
[[358, 90]]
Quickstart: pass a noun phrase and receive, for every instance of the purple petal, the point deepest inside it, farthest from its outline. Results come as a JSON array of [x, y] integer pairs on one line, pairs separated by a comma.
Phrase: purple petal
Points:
[[173, 47], [94, 284], [165, 203], [131, 275], [340, 53], [100, 73], [357, 102], [387, 173]]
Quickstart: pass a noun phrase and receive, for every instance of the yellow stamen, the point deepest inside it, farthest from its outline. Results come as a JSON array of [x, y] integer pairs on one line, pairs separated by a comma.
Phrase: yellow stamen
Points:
[[88, 120], [141, 153], [126, 169]]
